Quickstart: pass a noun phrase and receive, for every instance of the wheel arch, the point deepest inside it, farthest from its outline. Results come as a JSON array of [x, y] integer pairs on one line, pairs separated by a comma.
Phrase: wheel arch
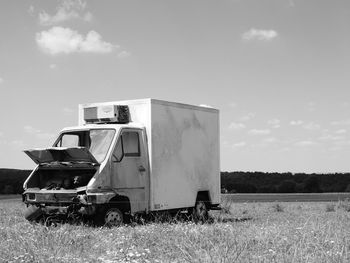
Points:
[[121, 202], [204, 196]]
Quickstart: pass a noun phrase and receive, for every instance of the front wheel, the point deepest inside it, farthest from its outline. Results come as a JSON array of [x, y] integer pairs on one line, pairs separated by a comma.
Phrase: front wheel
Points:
[[113, 217], [108, 216]]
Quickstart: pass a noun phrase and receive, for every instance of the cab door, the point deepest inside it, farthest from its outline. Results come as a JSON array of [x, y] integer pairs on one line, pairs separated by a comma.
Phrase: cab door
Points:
[[130, 168]]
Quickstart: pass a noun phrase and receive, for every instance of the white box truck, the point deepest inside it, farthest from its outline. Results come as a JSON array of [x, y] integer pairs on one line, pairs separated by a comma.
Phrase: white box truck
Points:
[[126, 158]]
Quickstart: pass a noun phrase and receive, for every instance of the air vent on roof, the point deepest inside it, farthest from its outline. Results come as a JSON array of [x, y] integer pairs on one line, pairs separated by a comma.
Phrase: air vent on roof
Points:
[[107, 114]]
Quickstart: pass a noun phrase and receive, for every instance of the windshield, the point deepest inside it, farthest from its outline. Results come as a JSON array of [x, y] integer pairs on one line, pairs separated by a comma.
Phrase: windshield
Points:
[[97, 141]]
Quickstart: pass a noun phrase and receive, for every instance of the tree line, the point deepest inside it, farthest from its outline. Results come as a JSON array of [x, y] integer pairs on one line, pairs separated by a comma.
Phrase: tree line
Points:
[[11, 182], [260, 182]]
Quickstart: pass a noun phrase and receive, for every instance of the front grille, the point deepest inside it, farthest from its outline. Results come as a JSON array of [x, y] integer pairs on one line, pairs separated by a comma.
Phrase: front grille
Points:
[[55, 197], [31, 196]]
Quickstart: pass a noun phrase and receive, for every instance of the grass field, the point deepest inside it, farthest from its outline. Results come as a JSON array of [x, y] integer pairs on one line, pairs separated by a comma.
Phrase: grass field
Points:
[[254, 232], [6, 197]]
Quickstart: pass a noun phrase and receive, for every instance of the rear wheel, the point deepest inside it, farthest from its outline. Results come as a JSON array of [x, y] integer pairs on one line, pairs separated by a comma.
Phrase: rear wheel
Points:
[[200, 211]]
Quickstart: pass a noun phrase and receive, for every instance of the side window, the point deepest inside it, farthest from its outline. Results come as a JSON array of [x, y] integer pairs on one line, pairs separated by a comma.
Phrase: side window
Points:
[[69, 140], [127, 146], [131, 143]]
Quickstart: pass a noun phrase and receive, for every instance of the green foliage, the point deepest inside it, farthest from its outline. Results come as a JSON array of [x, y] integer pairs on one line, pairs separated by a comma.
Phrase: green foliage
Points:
[[330, 208], [259, 182], [347, 189], [277, 208], [11, 180], [344, 205], [311, 184], [287, 186]]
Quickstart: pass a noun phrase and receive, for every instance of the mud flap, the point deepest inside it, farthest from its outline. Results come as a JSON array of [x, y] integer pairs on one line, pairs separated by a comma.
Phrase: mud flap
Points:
[[32, 213]]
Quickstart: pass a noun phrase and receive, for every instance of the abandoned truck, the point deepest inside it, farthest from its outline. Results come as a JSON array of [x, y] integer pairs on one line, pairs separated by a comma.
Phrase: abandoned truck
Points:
[[128, 158]]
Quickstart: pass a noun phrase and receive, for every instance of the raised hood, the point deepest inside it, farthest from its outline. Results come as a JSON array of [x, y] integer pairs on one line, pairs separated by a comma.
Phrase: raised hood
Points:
[[60, 154]]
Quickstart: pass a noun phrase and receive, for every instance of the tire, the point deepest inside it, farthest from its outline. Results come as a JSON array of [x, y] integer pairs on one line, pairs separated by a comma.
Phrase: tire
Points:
[[109, 216], [113, 217], [33, 213], [200, 212]]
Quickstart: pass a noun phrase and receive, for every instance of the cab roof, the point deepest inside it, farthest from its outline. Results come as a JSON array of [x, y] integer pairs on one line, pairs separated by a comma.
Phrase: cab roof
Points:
[[103, 126]]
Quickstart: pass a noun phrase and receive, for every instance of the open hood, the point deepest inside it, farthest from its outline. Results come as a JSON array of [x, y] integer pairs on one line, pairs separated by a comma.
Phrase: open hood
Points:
[[60, 154]]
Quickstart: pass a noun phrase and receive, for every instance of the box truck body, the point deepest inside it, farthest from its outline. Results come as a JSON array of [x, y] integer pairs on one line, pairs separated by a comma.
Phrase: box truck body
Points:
[[135, 156]]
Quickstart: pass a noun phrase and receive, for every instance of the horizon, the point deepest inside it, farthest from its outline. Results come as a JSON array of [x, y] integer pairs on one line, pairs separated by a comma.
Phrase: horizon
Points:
[[276, 70]]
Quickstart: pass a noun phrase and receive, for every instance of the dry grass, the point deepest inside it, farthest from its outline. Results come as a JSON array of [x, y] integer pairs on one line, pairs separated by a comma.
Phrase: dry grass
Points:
[[255, 232]]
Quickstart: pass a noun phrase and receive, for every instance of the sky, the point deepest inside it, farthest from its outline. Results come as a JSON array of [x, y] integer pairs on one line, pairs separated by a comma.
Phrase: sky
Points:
[[278, 71]]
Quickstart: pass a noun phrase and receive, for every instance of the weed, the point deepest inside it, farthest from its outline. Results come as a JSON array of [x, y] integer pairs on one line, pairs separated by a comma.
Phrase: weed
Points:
[[330, 207], [277, 207], [344, 205]]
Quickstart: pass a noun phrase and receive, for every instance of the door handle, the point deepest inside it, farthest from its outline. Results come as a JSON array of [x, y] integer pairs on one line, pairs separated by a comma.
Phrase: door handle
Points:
[[142, 169]]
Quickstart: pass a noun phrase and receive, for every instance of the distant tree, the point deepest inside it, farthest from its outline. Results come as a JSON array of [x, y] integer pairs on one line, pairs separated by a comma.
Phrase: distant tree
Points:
[[347, 188], [241, 188], [250, 182], [311, 184], [299, 188], [287, 186], [8, 189], [266, 189]]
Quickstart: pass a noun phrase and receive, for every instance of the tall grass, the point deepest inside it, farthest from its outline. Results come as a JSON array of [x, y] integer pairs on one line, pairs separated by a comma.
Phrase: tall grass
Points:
[[256, 232]]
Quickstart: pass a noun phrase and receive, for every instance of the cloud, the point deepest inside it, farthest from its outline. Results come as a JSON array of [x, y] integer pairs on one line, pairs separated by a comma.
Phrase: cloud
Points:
[[65, 40], [1, 80], [274, 123], [329, 137], [1, 134], [343, 143], [270, 140], [68, 10], [124, 54], [53, 66], [248, 117], [296, 123], [304, 143], [259, 132], [236, 126], [341, 122], [259, 34], [312, 126], [341, 131]]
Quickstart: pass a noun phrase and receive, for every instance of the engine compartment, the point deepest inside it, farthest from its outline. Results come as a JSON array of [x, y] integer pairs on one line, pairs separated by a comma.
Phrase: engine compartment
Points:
[[60, 178]]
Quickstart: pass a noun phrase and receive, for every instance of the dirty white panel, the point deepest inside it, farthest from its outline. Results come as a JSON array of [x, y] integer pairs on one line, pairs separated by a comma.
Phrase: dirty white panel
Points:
[[185, 154]]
